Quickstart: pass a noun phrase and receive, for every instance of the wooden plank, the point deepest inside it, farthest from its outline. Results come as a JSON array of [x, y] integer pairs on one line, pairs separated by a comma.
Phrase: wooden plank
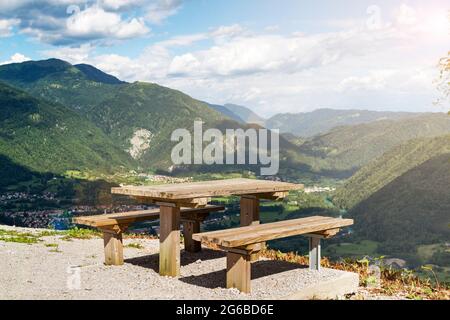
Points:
[[169, 242], [270, 234], [239, 271], [190, 203], [203, 189], [250, 216], [271, 195], [232, 231], [113, 246], [265, 232], [323, 234], [142, 215], [249, 211], [189, 228]]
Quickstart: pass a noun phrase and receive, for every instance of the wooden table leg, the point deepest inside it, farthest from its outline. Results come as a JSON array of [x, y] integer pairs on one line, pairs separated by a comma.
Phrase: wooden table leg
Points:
[[113, 248], [249, 211], [169, 241], [250, 216], [189, 228], [238, 271], [112, 240]]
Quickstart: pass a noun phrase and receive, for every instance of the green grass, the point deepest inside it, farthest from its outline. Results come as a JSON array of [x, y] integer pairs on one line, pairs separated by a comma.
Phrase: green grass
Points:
[[357, 249], [425, 252], [80, 233], [18, 237], [32, 238], [135, 246], [54, 246]]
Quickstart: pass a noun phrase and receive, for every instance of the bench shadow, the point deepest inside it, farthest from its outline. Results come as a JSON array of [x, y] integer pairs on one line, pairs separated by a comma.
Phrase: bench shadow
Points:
[[259, 269], [186, 258]]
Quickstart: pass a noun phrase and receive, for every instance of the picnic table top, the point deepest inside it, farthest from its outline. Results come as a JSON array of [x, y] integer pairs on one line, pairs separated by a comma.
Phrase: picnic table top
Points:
[[202, 189]]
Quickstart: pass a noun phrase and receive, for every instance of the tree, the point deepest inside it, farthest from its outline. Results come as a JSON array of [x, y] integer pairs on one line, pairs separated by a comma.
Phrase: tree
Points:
[[443, 81]]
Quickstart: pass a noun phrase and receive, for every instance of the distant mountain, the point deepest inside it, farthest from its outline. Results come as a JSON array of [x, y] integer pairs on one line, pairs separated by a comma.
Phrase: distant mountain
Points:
[[320, 121], [245, 114], [346, 149], [44, 136], [402, 199], [227, 112], [97, 75], [139, 117]]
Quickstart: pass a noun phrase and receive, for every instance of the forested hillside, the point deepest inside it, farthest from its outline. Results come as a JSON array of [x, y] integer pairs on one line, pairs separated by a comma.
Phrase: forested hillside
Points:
[[50, 137], [402, 200], [348, 148]]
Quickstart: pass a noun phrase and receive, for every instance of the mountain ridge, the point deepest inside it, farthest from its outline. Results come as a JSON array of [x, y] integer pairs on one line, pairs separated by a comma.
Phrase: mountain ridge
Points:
[[320, 121]]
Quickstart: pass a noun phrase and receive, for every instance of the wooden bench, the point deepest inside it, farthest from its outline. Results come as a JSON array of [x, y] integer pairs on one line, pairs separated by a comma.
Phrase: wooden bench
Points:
[[113, 225], [241, 243]]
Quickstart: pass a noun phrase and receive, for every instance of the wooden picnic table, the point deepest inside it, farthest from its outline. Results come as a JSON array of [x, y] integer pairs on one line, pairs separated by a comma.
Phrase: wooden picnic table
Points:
[[171, 197]]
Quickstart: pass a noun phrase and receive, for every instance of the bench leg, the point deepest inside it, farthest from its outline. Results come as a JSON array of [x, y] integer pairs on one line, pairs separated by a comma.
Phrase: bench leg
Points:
[[250, 216], [169, 241], [238, 271], [113, 247], [189, 228], [314, 253]]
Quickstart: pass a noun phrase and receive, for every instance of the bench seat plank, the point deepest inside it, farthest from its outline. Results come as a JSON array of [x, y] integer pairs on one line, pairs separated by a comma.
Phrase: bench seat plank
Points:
[[243, 236], [114, 224], [103, 220], [241, 243]]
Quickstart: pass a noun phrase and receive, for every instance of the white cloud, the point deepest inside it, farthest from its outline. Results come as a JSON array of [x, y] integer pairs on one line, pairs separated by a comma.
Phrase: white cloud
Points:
[[6, 27], [94, 21], [388, 67], [16, 58], [375, 80], [227, 31], [74, 22], [162, 9], [406, 15], [73, 55], [120, 4]]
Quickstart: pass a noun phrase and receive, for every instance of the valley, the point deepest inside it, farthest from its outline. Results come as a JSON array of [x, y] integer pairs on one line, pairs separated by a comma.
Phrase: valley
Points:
[[70, 132]]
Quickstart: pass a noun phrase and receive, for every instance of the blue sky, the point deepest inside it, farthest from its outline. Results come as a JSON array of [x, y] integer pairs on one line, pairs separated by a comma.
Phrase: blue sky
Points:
[[272, 56]]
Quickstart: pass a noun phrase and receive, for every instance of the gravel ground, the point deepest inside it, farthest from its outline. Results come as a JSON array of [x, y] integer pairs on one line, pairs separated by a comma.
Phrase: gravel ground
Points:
[[77, 272]]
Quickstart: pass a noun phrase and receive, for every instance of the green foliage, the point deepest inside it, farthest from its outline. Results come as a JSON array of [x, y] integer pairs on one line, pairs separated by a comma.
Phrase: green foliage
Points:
[[80, 233], [59, 141], [135, 245], [18, 237], [402, 200], [393, 164], [344, 150]]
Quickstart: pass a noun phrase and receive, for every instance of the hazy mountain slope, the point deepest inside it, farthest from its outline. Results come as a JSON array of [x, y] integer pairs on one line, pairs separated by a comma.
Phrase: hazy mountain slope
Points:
[[411, 210], [402, 199], [348, 148], [226, 112], [245, 114], [393, 164], [319, 121], [50, 137]]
